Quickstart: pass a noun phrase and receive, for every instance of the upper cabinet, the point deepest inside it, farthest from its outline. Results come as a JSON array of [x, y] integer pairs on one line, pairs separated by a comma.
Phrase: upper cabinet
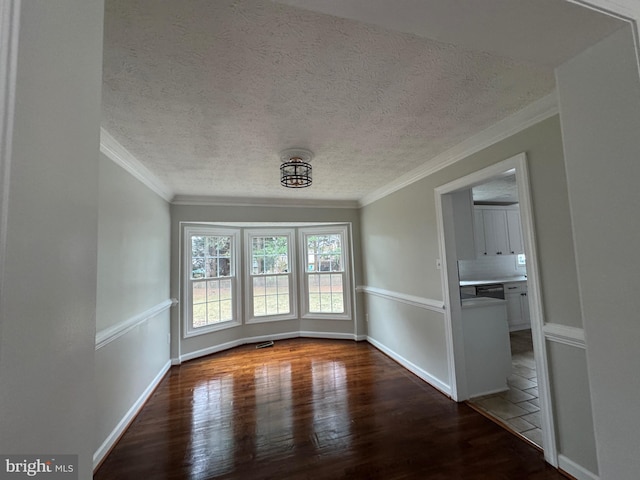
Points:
[[497, 230], [515, 231]]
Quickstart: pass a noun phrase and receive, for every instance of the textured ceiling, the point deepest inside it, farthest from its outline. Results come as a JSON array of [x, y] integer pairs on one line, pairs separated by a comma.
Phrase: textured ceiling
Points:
[[205, 94]]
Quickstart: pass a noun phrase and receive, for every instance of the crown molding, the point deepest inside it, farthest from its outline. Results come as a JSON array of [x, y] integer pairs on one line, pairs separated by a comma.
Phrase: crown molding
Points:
[[262, 202], [533, 113], [530, 115], [121, 156]]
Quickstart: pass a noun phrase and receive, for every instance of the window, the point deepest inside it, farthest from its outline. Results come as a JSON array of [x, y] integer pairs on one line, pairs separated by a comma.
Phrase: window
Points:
[[211, 288], [270, 275], [325, 272], [283, 280]]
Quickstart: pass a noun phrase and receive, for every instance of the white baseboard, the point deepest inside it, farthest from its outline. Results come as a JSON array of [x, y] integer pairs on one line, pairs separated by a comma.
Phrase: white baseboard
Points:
[[265, 338], [329, 335], [413, 368], [113, 437], [489, 392], [575, 470]]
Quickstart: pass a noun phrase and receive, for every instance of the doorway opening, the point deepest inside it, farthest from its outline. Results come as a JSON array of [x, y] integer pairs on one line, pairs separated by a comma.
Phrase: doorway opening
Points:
[[496, 357]]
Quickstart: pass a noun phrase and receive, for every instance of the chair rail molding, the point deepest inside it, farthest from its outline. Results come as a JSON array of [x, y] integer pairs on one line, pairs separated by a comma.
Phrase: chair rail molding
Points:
[[420, 302], [572, 336], [109, 334]]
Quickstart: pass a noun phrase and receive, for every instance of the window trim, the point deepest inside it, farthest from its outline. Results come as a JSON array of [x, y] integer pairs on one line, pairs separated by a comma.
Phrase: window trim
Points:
[[190, 230], [249, 234], [343, 230]]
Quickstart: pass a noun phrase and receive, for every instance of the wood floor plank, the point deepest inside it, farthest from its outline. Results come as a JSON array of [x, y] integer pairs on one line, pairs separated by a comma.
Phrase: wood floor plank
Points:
[[312, 409]]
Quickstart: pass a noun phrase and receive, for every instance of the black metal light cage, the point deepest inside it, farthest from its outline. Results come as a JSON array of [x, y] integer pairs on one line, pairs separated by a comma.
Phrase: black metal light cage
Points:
[[295, 173]]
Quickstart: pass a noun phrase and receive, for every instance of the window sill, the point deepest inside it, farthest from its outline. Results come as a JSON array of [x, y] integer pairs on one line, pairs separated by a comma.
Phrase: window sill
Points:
[[195, 332]]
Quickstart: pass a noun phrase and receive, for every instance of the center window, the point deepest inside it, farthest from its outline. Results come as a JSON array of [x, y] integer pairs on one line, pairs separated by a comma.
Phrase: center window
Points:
[[271, 275]]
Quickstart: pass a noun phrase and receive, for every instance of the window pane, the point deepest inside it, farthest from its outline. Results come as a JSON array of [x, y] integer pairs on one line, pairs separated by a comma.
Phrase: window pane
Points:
[[226, 310], [337, 294], [259, 306], [210, 256], [211, 302], [199, 292], [199, 315], [324, 253], [213, 313], [283, 303], [259, 286], [325, 293], [225, 289], [283, 284], [271, 295], [269, 255], [213, 290]]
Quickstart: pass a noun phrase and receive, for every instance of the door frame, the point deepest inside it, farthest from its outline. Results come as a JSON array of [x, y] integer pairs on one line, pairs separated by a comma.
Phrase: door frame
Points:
[[451, 292]]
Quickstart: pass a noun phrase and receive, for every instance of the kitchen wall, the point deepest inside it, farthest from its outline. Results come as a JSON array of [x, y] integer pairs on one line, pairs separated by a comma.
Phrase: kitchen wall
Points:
[[132, 311], [498, 266], [194, 346], [400, 248]]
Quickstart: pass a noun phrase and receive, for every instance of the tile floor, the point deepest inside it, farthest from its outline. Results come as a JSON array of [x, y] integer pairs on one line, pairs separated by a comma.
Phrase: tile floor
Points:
[[518, 408]]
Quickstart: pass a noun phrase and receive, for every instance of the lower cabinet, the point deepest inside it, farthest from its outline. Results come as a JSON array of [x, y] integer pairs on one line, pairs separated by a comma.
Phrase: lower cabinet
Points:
[[517, 306]]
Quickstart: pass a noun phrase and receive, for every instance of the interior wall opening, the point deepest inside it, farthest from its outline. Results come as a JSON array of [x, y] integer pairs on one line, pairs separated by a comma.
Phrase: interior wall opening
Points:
[[492, 291]]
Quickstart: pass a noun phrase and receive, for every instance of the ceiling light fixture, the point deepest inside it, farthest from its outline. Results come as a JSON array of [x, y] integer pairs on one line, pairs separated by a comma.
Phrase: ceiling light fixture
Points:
[[295, 170]]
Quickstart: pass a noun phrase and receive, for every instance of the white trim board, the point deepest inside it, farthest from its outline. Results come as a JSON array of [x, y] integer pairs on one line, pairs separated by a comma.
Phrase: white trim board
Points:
[[412, 367], [571, 336], [9, 34], [264, 338], [210, 201], [572, 468], [104, 449], [109, 334], [113, 150], [530, 115], [420, 302]]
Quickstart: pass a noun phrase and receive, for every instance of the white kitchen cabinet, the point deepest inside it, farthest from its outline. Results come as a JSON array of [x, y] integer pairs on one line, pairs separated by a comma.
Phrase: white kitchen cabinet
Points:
[[487, 349], [496, 234], [514, 230], [497, 230], [517, 305], [478, 233]]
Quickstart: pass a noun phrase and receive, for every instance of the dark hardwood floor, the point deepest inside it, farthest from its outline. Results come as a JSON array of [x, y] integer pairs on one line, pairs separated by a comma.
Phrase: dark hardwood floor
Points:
[[312, 409]]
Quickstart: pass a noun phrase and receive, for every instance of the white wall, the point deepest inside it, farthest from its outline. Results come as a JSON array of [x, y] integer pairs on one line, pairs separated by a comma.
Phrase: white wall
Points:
[[133, 246], [49, 275], [229, 337], [599, 94], [133, 284], [400, 248]]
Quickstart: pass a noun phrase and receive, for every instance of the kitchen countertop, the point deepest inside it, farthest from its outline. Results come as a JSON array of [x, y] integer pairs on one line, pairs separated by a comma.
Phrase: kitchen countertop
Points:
[[486, 281]]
